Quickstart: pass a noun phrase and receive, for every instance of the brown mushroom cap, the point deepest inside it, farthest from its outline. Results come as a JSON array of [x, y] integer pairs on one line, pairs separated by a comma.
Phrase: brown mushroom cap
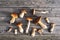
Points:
[[29, 18], [23, 11], [37, 20], [14, 15], [19, 24]]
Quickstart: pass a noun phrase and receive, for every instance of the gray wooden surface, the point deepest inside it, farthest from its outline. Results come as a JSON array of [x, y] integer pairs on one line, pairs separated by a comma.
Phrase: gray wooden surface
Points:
[[9, 6]]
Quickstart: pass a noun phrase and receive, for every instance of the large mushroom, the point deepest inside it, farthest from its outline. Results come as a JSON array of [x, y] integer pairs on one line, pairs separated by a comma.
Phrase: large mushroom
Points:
[[51, 28], [41, 11], [19, 25], [38, 21], [14, 16], [33, 32], [23, 12], [28, 25]]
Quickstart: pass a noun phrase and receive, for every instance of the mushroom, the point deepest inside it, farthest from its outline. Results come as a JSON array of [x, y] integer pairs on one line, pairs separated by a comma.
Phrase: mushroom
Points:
[[47, 20], [19, 25], [52, 25], [10, 29], [33, 10], [15, 32], [28, 25], [33, 32], [40, 31], [14, 16], [23, 12], [41, 11], [38, 21]]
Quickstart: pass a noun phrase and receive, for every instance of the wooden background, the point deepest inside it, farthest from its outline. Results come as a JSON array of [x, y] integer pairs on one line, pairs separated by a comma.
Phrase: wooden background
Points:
[[9, 6]]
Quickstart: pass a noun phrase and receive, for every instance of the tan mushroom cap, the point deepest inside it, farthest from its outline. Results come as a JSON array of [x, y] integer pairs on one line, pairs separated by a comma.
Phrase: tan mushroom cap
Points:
[[23, 11], [29, 18], [37, 20], [19, 24], [14, 15]]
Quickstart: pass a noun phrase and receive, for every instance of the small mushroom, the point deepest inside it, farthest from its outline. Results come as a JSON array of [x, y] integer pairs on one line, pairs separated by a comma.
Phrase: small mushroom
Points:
[[23, 12], [33, 32], [40, 31], [47, 20], [19, 25], [41, 11], [28, 25], [52, 25], [10, 29], [38, 21], [14, 16], [15, 32]]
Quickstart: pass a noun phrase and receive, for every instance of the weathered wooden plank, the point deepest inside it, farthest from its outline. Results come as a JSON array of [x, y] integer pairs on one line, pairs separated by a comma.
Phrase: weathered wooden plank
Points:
[[7, 11], [30, 3]]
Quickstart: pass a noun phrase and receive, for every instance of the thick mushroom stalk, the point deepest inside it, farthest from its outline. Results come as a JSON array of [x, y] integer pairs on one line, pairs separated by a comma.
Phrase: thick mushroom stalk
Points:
[[28, 25], [33, 32], [19, 25], [38, 21], [10, 29], [23, 12], [14, 16], [15, 32], [47, 20], [41, 11], [40, 31], [52, 25]]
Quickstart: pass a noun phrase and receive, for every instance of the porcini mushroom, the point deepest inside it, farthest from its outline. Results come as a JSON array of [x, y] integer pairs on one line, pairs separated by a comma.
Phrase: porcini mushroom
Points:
[[41, 11], [14, 16], [33, 32], [23, 12], [47, 20], [28, 25], [40, 31], [19, 25], [51, 28], [38, 21], [15, 31], [10, 29]]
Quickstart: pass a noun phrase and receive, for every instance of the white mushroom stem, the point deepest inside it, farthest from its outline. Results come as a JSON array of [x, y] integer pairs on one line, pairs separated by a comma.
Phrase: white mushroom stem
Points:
[[28, 25], [42, 25], [53, 25], [15, 31], [9, 30], [21, 29], [12, 20], [33, 33], [33, 11], [22, 15]]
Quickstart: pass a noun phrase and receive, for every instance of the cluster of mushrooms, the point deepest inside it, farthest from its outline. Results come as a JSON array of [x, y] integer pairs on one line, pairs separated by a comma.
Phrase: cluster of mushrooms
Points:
[[29, 19]]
